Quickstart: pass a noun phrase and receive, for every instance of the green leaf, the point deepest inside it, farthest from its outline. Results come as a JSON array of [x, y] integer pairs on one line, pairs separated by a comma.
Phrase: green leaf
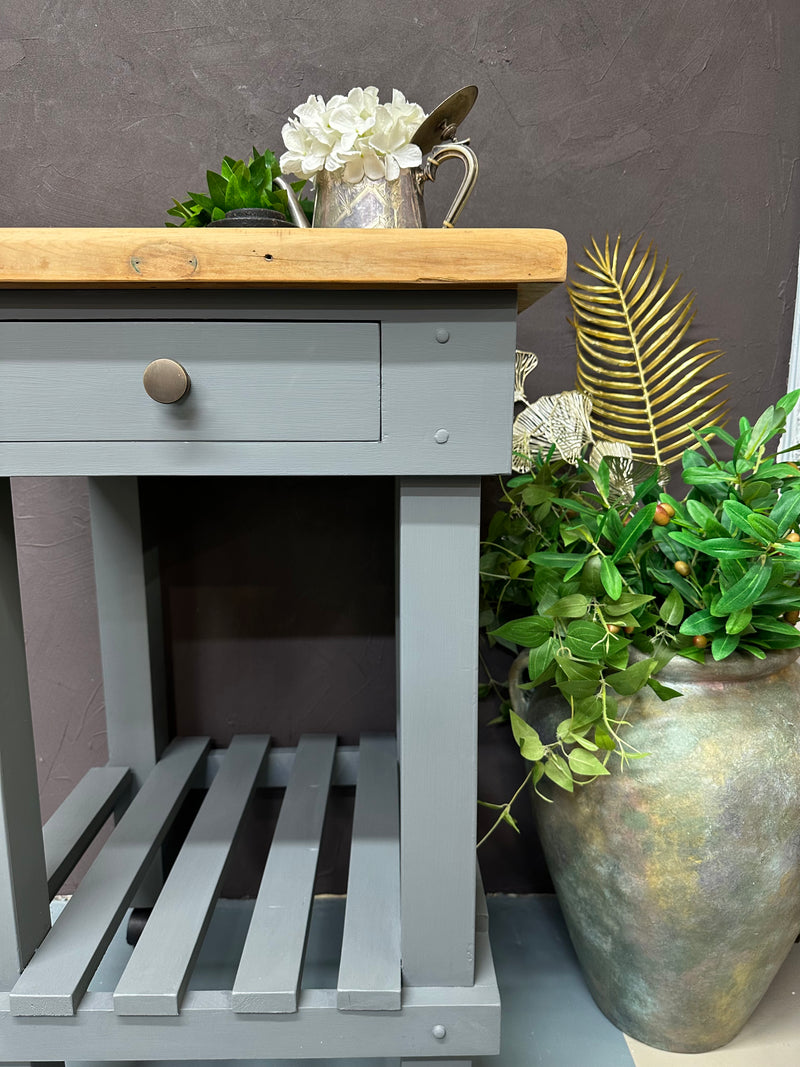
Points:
[[603, 738], [739, 515], [529, 633], [625, 603], [721, 433], [686, 537], [612, 526], [537, 494], [769, 624], [526, 737], [217, 187], [587, 640], [602, 478], [705, 518], [672, 609], [691, 458], [611, 578], [764, 528], [581, 762], [540, 658], [708, 476], [631, 680], [634, 530], [569, 607], [701, 622], [788, 402], [518, 567], [725, 548], [786, 511], [663, 692], [563, 560], [557, 771], [722, 647], [738, 621], [747, 590]]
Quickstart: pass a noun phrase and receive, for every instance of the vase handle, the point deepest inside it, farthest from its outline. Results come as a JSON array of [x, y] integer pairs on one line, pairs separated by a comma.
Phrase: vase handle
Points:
[[453, 150], [520, 698]]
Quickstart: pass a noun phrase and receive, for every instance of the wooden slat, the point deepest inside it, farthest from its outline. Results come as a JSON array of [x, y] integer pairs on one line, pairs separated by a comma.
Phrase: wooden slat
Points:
[[75, 823], [369, 970], [529, 261], [158, 972], [269, 972], [60, 972]]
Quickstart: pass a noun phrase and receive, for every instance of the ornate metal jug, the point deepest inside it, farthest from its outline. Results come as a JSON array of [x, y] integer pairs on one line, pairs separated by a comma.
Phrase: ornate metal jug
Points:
[[379, 203]]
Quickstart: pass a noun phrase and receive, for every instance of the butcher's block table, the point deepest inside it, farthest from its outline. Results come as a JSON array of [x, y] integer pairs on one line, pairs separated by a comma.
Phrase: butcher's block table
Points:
[[268, 352]]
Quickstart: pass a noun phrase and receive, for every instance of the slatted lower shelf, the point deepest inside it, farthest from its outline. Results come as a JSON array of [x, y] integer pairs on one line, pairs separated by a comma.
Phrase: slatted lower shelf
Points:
[[267, 1013]]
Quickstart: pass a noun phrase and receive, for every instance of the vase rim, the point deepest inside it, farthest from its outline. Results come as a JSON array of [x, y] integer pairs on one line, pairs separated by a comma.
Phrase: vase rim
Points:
[[738, 667]]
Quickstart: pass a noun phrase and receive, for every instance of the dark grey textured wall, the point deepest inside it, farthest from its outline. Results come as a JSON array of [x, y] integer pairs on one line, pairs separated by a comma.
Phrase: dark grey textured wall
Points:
[[676, 120]]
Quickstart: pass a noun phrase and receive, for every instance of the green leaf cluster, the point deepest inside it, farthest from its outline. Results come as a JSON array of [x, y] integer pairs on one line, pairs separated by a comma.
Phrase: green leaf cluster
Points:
[[588, 584], [238, 185]]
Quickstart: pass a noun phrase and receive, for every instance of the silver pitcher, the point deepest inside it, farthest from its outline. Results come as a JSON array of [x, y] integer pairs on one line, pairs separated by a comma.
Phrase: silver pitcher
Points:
[[380, 203]]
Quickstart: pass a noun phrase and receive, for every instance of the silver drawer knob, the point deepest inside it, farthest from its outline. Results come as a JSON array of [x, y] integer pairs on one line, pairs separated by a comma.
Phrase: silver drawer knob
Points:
[[166, 381]]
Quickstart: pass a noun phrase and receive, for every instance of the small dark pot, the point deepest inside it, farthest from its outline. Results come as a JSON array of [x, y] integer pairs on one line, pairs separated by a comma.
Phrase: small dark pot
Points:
[[253, 216], [679, 878]]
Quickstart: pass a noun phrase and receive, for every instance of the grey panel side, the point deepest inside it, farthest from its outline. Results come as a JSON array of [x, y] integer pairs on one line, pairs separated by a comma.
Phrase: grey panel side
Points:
[[24, 902]]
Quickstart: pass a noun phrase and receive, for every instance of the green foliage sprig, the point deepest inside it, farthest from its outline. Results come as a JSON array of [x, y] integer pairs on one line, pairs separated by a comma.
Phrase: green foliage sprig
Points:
[[581, 579], [238, 185]]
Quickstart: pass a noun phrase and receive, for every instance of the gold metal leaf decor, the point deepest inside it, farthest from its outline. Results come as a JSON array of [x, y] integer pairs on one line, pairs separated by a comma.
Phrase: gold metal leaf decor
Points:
[[646, 383]]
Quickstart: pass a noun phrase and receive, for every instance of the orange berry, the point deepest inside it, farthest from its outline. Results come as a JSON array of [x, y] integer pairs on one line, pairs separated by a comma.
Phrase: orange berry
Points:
[[682, 567], [794, 537], [613, 628], [792, 617], [629, 629], [670, 510], [662, 516], [700, 641]]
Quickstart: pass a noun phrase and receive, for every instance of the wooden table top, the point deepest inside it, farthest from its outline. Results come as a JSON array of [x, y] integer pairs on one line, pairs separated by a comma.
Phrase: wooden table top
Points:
[[530, 261]]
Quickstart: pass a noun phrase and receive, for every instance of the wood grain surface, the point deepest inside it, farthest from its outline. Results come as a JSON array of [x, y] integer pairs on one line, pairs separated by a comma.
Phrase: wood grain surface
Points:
[[530, 261]]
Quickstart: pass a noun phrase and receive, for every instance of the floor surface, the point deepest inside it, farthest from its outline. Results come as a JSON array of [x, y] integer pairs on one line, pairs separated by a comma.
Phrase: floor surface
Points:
[[549, 1018]]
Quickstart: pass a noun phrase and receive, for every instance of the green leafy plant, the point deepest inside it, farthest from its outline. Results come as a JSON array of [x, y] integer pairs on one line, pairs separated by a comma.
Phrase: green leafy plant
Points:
[[602, 591], [238, 185]]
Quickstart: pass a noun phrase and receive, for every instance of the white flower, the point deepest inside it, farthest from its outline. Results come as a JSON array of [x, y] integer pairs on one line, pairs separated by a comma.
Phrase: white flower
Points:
[[354, 134]]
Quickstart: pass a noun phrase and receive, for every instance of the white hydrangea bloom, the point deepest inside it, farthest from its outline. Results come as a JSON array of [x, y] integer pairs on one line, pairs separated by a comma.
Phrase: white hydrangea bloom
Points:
[[354, 134]]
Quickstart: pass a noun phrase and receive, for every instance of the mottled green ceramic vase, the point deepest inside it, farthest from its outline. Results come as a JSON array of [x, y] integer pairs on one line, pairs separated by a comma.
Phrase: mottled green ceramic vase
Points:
[[679, 878]]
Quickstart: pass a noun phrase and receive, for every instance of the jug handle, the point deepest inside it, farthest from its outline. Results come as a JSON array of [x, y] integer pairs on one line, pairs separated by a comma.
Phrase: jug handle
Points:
[[297, 213], [452, 150]]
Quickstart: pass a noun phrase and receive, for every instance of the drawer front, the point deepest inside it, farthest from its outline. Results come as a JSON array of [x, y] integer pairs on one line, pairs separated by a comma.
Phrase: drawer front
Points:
[[250, 381]]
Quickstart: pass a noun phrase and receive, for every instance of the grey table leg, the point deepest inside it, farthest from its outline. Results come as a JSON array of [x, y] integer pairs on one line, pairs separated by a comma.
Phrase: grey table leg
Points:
[[24, 900], [437, 702], [126, 594]]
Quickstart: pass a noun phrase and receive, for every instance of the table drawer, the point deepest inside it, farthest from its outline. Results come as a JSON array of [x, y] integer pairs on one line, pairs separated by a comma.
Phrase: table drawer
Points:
[[250, 381]]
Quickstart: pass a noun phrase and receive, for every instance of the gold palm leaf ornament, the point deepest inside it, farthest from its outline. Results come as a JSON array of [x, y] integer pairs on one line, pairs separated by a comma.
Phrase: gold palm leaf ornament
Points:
[[646, 383]]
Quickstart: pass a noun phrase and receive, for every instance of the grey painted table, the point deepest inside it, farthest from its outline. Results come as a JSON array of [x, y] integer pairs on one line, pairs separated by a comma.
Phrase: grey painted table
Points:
[[349, 378]]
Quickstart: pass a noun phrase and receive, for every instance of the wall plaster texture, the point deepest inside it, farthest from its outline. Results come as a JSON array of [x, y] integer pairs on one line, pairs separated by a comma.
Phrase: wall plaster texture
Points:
[[679, 121]]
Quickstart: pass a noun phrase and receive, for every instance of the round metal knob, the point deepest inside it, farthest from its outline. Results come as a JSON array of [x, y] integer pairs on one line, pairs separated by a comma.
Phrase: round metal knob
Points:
[[166, 381]]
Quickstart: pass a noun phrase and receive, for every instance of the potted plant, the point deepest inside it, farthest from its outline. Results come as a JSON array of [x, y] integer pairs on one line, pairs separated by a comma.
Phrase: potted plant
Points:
[[656, 700], [242, 194]]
